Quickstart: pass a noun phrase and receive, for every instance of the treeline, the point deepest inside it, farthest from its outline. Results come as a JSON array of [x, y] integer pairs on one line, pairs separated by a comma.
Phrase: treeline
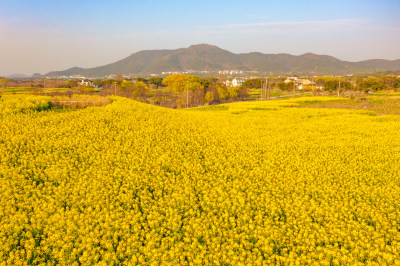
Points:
[[174, 91], [180, 90], [359, 84]]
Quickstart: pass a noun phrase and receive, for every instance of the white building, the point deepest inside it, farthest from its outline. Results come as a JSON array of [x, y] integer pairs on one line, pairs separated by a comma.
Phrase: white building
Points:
[[86, 82], [237, 82]]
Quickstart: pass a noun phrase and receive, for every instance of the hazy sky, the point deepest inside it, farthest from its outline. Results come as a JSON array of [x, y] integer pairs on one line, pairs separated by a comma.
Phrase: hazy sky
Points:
[[41, 36]]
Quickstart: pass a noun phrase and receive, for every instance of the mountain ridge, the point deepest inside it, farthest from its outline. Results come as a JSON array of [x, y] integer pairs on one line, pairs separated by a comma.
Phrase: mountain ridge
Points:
[[206, 57]]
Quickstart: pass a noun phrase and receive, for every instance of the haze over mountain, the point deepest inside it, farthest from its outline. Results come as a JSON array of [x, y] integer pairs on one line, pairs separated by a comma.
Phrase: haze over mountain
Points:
[[212, 58], [17, 75]]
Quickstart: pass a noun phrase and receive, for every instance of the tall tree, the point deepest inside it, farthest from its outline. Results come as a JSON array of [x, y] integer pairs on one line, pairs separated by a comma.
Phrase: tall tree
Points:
[[156, 81], [3, 83], [233, 92], [252, 84], [140, 90], [331, 85], [125, 84], [188, 88], [222, 92], [178, 83], [208, 97], [285, 86]]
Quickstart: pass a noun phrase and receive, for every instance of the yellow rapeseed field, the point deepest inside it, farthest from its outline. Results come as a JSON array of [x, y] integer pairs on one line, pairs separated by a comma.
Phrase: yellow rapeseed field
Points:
[[237, 184]]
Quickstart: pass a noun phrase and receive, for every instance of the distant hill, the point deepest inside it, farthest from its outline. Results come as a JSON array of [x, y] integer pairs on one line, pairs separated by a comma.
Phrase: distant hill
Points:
[[17, 76], [36, 75], [212, 58]]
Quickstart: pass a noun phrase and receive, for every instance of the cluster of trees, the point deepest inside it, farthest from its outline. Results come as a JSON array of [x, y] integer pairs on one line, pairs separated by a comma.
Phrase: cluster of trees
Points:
[[285, 86], [34, 83], [359, 84], [348, 84], [193, 91], [175, 91], [3, 83], [180, 90], [138, 90]]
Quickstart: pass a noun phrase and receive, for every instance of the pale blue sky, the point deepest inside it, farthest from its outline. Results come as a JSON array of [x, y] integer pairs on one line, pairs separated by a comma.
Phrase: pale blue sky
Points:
[[40, 36]]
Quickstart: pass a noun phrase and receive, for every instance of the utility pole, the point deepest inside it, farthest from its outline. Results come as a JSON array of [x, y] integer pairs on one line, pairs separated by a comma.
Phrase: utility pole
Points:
[[338, 91], [187, 93], [266, 88], [261, 91]]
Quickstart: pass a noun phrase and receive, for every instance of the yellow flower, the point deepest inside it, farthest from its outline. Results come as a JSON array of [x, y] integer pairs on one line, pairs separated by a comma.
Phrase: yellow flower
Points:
[[249, 183]]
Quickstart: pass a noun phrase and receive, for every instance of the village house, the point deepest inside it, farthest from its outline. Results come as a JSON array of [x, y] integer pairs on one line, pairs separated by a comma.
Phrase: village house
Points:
[[235, 82], [87, 83], [300, 83]]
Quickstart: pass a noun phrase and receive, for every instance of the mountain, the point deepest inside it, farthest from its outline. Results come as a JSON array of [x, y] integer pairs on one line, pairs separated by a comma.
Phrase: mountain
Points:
[[381, 64], [36, 75], [17, 76], [212, 58]]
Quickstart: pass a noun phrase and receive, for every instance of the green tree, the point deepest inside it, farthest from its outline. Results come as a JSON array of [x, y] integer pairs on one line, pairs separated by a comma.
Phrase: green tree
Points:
[[221, 91], [208, 97], [252, 84], [331, 85], [372, 84], [142, 79], [178, 83], [205, 83], [3, 83], [285, 86], [127, 84], [211, 80], [233, 92], [187, 87], [140, 90], [396, 84], [345, 86], [320, 81], [157, 81], [101, 83], [388, 81]]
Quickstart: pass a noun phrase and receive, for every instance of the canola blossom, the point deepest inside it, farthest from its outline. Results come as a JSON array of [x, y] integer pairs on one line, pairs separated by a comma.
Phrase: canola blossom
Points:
[[255, 183], [10, 104]]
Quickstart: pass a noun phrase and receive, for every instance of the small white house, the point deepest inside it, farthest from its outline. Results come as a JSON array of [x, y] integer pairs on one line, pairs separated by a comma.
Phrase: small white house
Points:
[[86, 82], [237, 82]]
